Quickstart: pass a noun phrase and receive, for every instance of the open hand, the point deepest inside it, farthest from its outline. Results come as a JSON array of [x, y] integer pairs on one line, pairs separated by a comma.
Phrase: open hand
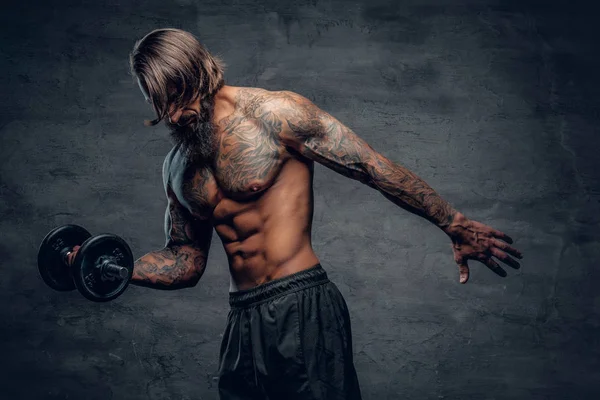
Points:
[[472, 240]]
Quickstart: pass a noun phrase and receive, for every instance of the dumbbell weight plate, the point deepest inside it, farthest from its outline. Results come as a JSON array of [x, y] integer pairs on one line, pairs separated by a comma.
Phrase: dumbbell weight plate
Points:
[[87, 274], [51, 264]]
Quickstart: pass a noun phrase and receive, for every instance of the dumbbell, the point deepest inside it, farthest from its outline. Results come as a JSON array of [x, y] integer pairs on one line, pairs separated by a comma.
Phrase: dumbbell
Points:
[[101, 269]]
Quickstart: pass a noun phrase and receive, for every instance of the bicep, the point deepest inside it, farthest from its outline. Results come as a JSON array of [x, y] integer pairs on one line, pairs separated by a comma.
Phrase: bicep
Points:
[[183, 229]]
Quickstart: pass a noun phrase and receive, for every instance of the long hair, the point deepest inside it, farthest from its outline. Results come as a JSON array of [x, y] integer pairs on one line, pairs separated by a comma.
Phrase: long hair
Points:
[[174, 68]]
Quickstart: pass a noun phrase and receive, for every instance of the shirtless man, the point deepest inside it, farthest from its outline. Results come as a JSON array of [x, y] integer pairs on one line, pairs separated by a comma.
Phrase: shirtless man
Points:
[[243, 165]]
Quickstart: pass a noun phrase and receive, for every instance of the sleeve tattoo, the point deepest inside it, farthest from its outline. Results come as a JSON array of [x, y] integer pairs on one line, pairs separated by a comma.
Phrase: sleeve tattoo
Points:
[[320, 137], [181, 263]]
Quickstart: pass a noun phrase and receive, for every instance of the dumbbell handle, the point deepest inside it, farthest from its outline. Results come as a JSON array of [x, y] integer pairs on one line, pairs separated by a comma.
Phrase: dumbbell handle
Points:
[[114, 270], [107, 267], [65, 253]]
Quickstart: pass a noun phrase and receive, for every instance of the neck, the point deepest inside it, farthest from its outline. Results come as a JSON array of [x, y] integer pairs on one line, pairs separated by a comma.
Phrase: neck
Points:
[[224, 102]]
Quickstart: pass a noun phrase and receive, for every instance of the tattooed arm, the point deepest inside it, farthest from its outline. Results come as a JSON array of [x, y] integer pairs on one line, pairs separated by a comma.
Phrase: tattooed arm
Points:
[[181, 263], [320, 137]]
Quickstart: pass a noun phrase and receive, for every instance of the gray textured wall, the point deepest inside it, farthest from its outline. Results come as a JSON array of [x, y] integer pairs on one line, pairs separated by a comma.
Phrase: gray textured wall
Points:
[[494, 104]]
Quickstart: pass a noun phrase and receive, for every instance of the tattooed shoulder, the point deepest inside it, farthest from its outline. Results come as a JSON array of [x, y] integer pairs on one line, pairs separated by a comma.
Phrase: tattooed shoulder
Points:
[[292, 110], [251, 101]]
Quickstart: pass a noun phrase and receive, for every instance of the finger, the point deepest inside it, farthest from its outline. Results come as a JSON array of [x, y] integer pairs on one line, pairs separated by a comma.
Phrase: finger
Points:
[[493, 265], [509, 249], [502, 235], [505, 258], [463, 270]]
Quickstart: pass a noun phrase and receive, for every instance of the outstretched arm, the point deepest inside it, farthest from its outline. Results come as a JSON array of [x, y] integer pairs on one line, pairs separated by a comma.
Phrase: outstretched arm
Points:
[[319, 136]]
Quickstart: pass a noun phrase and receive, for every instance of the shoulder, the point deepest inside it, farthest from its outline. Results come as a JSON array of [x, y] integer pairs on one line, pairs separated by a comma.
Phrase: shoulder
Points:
[[256, 101], [296, 116], [167, 163]]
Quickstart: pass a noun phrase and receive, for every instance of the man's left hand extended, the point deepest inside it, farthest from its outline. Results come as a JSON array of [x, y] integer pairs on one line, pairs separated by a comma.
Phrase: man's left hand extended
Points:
[[472, 240]]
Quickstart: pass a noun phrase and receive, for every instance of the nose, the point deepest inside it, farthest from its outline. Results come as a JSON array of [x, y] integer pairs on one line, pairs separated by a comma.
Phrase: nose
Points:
[[174, 116]]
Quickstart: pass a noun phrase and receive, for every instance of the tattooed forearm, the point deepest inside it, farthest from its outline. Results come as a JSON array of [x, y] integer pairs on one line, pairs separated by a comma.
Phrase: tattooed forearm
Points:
[[171, 268], [320, 137]]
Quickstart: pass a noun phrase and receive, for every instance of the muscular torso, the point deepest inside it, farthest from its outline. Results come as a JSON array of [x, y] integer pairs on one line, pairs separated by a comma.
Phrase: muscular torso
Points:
[[257, 194]]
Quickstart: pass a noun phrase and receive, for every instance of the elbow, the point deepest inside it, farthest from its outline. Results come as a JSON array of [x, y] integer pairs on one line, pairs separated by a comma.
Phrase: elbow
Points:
[[192, 283], [367, 176], [356, 170], [193, 280], [184, 282], [181, 285], [380, 173]]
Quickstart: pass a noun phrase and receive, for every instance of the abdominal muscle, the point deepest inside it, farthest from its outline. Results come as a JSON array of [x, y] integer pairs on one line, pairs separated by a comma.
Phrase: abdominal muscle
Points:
[[269, 237]]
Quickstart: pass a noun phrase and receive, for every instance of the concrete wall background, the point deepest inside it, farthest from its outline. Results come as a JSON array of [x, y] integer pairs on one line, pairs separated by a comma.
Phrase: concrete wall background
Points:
[[493, 103]]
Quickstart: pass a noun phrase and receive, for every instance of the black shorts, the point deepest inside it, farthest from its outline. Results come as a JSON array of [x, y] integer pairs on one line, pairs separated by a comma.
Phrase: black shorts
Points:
[[288, 339]]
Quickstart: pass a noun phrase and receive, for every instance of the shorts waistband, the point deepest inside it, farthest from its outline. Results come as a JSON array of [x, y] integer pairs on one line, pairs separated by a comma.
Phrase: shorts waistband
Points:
[[300, 280]]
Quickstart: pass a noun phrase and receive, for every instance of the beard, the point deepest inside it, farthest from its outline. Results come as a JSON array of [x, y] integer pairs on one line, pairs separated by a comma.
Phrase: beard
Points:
[[197, 140]]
